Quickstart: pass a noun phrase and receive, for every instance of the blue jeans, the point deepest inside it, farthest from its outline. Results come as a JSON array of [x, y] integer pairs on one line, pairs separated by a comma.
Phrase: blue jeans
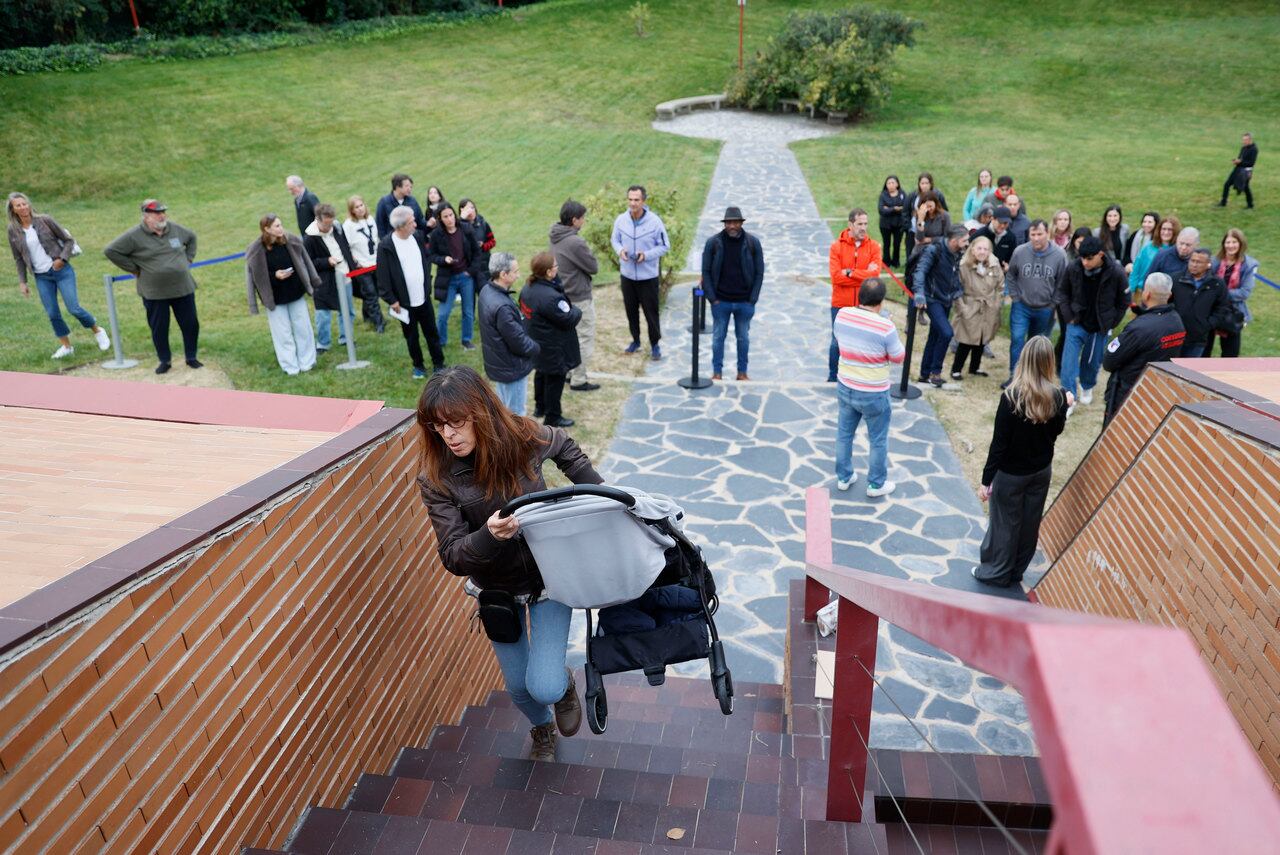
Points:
[[940, 332], [1025, 323], [833, 352], [459, 284], [741, 313], [1193, 351], [854, 406], [514, 394], [49, 285], [1082, 357], [533, 667], [326, 317]]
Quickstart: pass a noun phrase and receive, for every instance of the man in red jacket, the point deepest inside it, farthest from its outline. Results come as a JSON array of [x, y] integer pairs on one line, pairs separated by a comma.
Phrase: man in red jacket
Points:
[[853, 259]]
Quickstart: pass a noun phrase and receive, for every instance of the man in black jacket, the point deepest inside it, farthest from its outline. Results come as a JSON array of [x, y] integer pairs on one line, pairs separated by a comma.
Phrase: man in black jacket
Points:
[[1242, 172], [732, 273], [1091, 301], [508, 349], [1003, 243], [1156, 335], [403, 273], [936, 283], [1202, 301], [327, 246], [304, 202], [453, 248]]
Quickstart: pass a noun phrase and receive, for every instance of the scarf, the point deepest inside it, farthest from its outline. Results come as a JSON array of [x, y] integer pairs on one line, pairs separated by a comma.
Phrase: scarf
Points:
[[1230, 273]]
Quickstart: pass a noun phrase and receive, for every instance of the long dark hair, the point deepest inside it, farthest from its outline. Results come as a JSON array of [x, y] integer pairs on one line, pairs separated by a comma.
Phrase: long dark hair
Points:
[[506, 444], [885, 187], [1104, 230]]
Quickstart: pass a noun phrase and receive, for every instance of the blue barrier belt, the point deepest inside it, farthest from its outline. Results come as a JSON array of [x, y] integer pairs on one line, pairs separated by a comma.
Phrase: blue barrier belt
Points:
[[1268, 281], [204, 263]]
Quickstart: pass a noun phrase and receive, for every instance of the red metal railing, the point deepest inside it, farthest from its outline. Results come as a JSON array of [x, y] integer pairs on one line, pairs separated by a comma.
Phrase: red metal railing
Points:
[[1139, 750]]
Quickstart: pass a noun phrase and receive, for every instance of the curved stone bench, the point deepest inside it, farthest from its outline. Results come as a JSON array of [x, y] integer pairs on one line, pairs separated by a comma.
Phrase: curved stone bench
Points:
[[671, 109]]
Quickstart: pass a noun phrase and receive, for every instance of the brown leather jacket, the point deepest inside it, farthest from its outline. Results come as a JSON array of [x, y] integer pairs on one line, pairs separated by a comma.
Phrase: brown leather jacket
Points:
[[459, 510]]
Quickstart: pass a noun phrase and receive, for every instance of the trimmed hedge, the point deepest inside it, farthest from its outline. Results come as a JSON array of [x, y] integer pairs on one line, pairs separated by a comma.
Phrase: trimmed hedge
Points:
[[79, 57], [838, 62]]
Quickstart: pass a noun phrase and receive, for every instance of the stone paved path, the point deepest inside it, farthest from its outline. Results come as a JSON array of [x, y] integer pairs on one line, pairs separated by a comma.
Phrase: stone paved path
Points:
[[739, 456]]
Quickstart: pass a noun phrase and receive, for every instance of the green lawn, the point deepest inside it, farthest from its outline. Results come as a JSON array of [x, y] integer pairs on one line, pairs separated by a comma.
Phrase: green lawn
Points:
[[1140, 104]]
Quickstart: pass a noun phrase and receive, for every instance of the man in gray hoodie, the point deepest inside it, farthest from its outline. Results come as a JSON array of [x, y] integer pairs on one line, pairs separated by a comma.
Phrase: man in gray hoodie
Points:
[[577, 265], [1032, 282]]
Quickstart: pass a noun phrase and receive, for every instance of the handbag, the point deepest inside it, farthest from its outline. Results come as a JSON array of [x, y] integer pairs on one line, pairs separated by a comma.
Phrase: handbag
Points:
[[500, 616]]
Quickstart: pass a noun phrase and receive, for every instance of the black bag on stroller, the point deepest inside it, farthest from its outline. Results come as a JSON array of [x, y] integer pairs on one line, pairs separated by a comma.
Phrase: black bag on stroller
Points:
[[653, 573]]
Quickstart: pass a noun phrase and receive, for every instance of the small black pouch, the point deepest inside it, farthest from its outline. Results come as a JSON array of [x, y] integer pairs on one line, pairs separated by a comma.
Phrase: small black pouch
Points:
[[500, 616]]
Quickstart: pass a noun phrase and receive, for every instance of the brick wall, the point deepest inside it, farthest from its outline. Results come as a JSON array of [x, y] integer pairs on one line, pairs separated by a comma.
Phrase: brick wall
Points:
[[205, 705], [1187, 537], [1157, 392]]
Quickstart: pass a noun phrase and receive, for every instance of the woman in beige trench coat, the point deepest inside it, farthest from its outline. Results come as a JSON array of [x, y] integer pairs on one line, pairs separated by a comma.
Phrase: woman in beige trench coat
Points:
[[977, 312]]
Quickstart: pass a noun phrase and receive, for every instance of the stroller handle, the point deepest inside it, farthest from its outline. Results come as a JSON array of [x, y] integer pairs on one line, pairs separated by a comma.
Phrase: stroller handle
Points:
[[558, 493]]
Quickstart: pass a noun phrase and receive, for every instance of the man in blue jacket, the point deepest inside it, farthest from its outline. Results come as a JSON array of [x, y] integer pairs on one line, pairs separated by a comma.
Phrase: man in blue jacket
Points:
[[640, 239], [937, 285], [732, 273]]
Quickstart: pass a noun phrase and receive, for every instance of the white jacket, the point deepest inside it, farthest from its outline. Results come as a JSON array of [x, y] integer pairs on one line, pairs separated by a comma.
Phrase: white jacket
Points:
[[360, 247]]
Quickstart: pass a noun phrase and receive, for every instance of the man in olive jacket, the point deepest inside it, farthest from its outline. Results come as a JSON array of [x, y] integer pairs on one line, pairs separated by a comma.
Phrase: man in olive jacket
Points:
[[577, 264], [159, 253]]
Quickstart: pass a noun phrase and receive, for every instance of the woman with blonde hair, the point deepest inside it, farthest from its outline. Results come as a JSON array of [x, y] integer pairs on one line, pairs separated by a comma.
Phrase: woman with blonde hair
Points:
[[1060, 227], [1166, 234], [1031, 414], [978, 309], [279, 272], [362, 236]]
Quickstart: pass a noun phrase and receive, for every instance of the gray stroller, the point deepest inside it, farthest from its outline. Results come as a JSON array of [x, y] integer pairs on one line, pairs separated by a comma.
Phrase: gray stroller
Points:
[[613, 549]]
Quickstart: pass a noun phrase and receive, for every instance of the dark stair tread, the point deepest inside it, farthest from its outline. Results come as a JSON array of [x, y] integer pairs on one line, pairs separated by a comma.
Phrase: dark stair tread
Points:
[[677, 691], [365, 833]]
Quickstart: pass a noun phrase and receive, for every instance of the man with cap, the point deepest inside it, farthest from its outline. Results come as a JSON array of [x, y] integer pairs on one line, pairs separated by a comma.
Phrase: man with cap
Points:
[[1003, 243], [732, 273], [1091, 301], [853, 259], [159, 253], [1156, 335]]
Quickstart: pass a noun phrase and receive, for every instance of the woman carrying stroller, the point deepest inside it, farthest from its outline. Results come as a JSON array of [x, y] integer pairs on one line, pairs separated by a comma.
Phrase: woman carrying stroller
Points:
[[476, 457]]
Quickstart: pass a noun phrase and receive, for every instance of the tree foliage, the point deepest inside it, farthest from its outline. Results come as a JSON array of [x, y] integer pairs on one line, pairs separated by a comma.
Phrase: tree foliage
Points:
[[603, 208]]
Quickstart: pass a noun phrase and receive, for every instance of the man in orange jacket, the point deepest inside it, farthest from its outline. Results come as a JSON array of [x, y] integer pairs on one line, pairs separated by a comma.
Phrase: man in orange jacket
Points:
[[854, 258]]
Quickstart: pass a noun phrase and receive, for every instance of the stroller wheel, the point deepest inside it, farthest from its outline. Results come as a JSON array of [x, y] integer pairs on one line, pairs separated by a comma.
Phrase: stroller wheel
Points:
[[723, 686], [598, 713]]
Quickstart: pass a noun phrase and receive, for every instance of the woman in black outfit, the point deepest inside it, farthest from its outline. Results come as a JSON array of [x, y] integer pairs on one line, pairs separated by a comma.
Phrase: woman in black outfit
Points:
[[1031, 414], [476, 456], [435, 201], [550, 319], [924, 185], [1113, 231], [893, 220]]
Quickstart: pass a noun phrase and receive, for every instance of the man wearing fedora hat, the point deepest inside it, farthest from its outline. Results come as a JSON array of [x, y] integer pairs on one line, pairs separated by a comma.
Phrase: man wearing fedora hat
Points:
[[159, 253], [732, 273]]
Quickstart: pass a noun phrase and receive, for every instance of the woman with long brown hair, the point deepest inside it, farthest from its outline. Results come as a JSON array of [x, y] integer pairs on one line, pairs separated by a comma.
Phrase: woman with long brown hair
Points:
[[1031, 414], [1234, 266], [1166, 234], [279, 272], [477, 456]]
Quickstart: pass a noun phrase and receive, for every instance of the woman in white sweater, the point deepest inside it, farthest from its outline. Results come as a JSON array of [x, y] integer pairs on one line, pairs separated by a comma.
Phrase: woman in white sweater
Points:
[[362, 236]]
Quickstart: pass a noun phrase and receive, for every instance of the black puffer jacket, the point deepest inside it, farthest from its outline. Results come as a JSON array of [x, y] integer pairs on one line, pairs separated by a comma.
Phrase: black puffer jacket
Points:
[[508, 349], [438, 251], [550, 319], [459, 509]]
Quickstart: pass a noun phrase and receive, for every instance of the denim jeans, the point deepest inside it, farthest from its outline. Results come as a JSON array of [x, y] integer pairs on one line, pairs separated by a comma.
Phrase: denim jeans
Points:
[[741, 313], [460, 284], [326, 317], [940, 332], [533, 667], [1082, 357], [1025, 323], [854, 406], [833, 352], [514, 394], [1195, 350], [291, 336], [49, 285]]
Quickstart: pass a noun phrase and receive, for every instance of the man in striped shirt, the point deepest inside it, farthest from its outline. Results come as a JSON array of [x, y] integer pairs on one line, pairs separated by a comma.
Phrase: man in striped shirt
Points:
[[868, 344]]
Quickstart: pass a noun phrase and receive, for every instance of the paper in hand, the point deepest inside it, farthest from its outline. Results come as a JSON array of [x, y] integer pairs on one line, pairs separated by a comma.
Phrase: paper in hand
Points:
[[400, 314]]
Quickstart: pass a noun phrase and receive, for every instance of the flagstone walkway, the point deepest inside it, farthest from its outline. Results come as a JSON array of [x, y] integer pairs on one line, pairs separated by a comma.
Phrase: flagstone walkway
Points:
[[739, 456]]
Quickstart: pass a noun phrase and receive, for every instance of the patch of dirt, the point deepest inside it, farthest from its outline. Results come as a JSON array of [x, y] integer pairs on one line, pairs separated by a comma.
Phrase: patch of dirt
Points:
[[208, 377]]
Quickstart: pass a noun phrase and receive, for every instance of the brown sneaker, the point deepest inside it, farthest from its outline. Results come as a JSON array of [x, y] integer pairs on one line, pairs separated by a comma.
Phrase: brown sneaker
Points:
[[716, 376], [569, 709], [742, 375], [544, 742]]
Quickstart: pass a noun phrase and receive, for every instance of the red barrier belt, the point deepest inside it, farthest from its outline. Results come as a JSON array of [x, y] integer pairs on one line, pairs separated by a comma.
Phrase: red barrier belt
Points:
[[907, 290], [354, 273]]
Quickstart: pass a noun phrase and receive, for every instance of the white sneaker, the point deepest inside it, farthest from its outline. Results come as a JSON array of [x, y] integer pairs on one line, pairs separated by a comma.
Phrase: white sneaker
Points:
[[1071, 409], [62, 351], [883, 490], [103, 340], [845, 485], [1086, 396]]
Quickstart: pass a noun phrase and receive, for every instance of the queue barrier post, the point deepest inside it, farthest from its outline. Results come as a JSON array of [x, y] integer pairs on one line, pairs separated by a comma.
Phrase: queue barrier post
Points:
[[904, 391], [344, 307], [113, 316], [693, 381]]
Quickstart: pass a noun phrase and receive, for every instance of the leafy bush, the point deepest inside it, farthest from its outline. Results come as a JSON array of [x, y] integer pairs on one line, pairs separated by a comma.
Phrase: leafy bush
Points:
[[78, 57], [639, 15], [603, 208], [837, 62]]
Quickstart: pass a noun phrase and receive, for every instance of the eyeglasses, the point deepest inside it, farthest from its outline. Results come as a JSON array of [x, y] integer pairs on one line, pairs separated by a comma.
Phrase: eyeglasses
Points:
[[439, 427]]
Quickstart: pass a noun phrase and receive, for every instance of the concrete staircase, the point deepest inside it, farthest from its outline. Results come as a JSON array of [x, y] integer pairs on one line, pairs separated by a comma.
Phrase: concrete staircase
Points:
[[670, 774]]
